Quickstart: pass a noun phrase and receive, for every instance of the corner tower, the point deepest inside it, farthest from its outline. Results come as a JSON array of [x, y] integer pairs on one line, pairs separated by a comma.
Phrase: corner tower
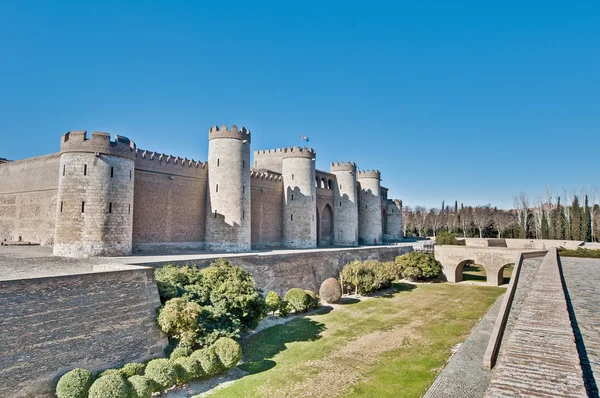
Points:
[[94, 214], [369, 210], [299, 228], [345, 205], [394, 220], [228, 198]]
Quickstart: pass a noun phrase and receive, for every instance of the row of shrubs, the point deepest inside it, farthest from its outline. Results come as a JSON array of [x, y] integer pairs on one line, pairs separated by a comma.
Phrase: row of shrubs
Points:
[[295, 299], [364, 277], [579, 252], [136, 380]]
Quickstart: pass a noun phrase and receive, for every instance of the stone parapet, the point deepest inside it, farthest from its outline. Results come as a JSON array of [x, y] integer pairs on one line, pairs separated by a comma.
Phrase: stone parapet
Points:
[[100, 143]]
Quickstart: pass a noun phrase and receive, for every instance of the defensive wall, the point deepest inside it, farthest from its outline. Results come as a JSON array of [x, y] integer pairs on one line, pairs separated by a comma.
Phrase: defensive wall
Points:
[[538, 244], [89, 316]]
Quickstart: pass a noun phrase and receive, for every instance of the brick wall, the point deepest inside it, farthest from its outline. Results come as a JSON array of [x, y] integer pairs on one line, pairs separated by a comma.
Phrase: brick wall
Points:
[[28, 191], [94, 321], [267, 200]]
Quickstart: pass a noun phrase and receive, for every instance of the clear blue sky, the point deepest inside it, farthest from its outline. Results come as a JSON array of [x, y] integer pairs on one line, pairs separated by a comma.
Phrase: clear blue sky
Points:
[[471, 101]]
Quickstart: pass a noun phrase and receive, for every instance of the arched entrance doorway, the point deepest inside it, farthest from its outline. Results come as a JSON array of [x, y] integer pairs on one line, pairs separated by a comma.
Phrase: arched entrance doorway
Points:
[[325, 226]]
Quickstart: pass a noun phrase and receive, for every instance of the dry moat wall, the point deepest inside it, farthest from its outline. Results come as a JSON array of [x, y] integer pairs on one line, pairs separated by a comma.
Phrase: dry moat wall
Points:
[[96, 321]]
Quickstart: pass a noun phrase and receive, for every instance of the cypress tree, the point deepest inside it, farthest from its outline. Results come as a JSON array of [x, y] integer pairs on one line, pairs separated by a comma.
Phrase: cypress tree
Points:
[[575, 219], [586, 222], [545, 226]]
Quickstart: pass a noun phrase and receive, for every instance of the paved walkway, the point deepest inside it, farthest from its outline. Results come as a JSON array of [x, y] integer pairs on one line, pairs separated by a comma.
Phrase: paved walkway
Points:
[[464, 375], [582, 277]]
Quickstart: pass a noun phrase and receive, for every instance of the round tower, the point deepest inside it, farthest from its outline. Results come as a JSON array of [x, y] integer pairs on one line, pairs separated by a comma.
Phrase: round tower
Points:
[[228, 199], [394, 220], [345, 205], [369, 209], [299, 229], [94, 214]]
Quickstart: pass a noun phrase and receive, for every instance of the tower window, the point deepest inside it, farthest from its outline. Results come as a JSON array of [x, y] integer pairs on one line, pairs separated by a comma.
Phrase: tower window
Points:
[[292, 177], [218, 162], [130, 175], [291, 217], [243, 215], [340, 186], [292, 196], [61, 206], [215, 214], [112, 172], [243, 188], [83, 207], [365, 207], [129, 210], [85, 169], [217, 187], [340, 203], [243, 164], [110, 207], [64, 167]]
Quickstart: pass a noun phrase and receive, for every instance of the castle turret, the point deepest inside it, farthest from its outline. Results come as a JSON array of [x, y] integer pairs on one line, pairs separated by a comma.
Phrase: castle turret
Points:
[[95, 195], [299, 198], [394, 220], [345, 204], [228, 200], [369, 210]]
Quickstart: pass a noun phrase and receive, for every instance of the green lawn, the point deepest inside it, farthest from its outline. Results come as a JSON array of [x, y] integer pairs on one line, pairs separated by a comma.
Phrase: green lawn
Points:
[[391, 346], [476, 273]]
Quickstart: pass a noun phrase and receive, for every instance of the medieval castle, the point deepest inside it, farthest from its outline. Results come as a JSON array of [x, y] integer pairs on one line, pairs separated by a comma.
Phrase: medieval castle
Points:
[[103, 197]]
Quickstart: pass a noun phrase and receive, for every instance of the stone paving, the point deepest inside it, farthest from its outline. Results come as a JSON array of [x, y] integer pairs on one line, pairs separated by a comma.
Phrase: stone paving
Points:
[[464, 375], [582, 278]]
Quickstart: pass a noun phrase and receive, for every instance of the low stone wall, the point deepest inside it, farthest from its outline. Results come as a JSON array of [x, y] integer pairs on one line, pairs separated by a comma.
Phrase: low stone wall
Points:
[[538, 244], [50, 325], [306, 269]]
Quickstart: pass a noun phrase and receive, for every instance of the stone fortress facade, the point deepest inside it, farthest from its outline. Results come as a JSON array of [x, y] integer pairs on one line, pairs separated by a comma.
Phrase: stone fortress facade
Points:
[[104, 197]]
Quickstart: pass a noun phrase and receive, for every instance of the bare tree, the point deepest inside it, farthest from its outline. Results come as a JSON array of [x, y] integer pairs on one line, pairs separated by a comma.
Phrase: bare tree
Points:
[[521, 204], [482, 217], [420, 219], [466, 218], [407, 219], [434, 220], [502, 220]]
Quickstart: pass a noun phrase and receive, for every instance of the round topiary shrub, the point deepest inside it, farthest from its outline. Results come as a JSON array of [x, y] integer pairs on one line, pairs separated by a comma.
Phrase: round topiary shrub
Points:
[[133, 369], [330, 291], [284, 308], [273, 301], [313, 300], [107, 372], [142, 386], [297, 298], [228, 351], [190, 367], [180, 352], [161, 371], [111, 386], [419, 266], [74, 384], [208, 360]]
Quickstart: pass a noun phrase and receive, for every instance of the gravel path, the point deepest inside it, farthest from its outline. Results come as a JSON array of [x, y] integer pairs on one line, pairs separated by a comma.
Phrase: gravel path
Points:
[[464, 375]]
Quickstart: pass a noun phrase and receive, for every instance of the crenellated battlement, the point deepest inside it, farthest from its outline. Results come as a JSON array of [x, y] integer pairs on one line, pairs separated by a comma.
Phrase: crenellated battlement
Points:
[[265, 175], [368, 174], [99, 142], [159, 162], [239, 134], [342, 166], [289, 152]]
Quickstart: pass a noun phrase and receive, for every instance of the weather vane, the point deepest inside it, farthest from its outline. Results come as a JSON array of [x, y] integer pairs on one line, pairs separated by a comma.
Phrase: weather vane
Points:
[[304, 138]]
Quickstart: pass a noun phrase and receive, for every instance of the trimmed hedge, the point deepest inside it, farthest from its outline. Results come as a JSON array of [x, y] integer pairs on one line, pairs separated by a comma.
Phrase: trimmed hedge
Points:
[[74, 384], [420, 266], [161, 371], [133, 369], [108, 372], [190, 367], [142, 386], [297, 298], [180, 352], [330, 291], [273, 301], [111, 386], [208, 360], [229, 352], [579, 252], [446, 238]]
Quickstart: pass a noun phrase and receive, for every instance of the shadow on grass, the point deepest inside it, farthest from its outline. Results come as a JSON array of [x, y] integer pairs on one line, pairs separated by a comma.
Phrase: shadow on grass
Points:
[[397, 287], [348, 300], [260, 348]]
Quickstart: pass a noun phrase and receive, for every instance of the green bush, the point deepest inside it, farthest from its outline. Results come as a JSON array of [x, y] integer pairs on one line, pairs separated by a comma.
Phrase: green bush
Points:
[[179, 319], [446, 238], [172, 280], [419, 266], [228, 351], [133, 369], [180, 352], [74, 384], [297, 299], [330, 291], [208, 360], [273, 301], [313, 300], [162, 372], [108, 372], [111, 386], [358, 277], [142, 386], [284, 308], [579, 252], [191, 369]]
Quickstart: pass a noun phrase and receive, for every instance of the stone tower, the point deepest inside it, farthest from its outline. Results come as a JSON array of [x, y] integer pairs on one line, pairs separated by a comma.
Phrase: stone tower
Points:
[[228, 192], [299, 229], [369, 210], [394, 220], [345, 204], [94, 214]]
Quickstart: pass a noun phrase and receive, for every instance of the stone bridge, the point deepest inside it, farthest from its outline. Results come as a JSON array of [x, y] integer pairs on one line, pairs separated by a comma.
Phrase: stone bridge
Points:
[[492, 259]]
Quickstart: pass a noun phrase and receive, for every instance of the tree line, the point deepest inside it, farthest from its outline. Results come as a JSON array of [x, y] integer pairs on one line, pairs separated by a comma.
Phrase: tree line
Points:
[[548, 218]]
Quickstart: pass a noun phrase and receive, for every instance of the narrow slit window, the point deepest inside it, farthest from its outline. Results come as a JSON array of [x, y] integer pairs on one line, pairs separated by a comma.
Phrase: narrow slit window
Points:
[[130, 175], [218, 162], [292, 177], [83, 207], [291, 217], [365, 207], [64, 169], [85, 169], [340, 186], [340, 203], [61, 206], [243, 188], [243, 164], [129, 210], [292, 196], [217, 187], [112, 172], [215, 214], [110, 207], [243, 215]]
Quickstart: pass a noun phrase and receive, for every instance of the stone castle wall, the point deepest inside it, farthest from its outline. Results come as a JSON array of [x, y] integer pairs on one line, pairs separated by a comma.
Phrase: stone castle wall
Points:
[[267, 193], [369, 209], [345, 204], [28, 192], [93, 321]]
